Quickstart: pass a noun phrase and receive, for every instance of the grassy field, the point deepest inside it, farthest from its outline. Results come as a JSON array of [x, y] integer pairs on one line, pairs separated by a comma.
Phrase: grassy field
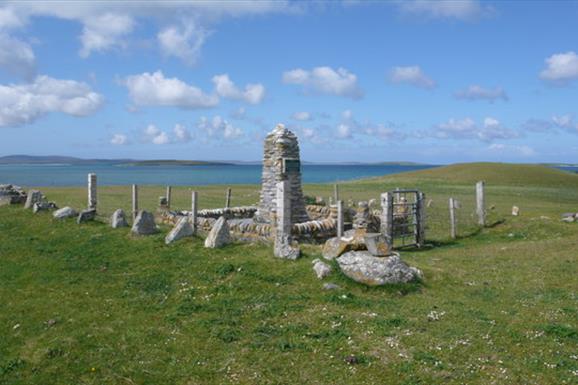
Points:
[[92, 305]]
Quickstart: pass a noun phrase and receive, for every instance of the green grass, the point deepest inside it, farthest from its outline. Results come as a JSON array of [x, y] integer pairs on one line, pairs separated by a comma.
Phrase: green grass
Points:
[[92, 305]]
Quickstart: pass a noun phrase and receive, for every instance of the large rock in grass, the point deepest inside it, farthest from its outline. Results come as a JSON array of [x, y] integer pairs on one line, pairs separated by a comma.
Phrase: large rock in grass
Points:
[[364, 268], [144, 224], [34, 196], [118, 219], [86, 216], [182, 229], [333, 248], [15, 193], [65, 212], [43, 206], [219, 235]]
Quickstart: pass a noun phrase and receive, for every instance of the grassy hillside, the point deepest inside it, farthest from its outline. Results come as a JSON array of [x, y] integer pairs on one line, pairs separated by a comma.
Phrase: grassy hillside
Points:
[[92, 305]]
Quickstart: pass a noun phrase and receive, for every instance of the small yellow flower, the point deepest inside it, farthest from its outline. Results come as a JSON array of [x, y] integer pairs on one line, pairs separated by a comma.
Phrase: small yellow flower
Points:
[[93, 369]]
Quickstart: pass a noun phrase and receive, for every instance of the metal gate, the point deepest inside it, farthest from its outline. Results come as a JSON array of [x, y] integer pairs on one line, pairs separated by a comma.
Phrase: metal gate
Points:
[[403, 218]]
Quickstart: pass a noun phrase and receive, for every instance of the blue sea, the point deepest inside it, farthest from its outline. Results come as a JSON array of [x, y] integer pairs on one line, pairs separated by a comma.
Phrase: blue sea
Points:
[[76, 175]]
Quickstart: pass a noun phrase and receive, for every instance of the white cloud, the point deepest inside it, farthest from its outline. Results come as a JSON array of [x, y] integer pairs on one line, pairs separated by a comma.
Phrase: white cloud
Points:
[[153, 134], [24, 103], [224, 87], [219, 128], [16, 57], [181, 133], [102, 32], [325, 80], [411, 75], [154, 89], [9, 19], [443, 9], [491, 129], [557, 124], [349, 127], [119, 139], [161, 138], [512, 149], [184, 42], [561, 68], [302, 116], [475, 92]]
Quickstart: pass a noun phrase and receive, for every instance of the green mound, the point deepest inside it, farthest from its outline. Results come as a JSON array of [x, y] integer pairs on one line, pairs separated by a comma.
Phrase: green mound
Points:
[[493, 173]]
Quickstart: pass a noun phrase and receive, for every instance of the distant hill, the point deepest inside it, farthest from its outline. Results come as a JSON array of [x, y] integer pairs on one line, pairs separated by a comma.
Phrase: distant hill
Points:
[[493, 173], [169, 162], [49, 159]]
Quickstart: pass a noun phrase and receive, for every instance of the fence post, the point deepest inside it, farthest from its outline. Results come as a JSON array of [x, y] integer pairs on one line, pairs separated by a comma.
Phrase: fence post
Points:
[[421, 218], [228, 198], [194, 201], [92, 191], [168, 196], [480, 203], [134, 201], [387, 217], [453, 229], [339, 219], [336, 193]]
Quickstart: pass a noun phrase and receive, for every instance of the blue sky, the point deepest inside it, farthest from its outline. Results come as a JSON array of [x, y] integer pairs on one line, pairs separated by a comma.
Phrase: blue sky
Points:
[[426, 81]]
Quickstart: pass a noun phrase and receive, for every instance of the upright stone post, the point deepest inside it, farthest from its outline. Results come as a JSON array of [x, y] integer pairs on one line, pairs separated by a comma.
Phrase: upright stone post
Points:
[[480, 203], [92, 191], [453, 230], [339, 219], [336, 193], [228, 198], [387, 217], [194, 200], [168, 196], [283, 248], [134, 201]]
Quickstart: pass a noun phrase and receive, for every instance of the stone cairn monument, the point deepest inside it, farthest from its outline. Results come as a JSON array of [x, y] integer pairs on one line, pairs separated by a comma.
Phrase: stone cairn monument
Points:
[[281, 162]]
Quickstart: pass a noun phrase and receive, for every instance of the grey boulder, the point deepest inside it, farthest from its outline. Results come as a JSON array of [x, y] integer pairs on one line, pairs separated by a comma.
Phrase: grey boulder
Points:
[[321, 269], [144, 224], [118, 219], [34, 196], [86, 215], [364, 268], [182, 229], [65, 212], [283, 248], [219, 235]]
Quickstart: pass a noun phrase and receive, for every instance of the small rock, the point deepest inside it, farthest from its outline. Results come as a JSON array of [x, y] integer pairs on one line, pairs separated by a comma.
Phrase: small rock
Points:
[[182, 229], [515, 211], [330, 286], [51, 322], [351, 360], [118, 219], [86, 215], [65, 212], [219, 235], [144, 224], [321, 269], [568, 219]]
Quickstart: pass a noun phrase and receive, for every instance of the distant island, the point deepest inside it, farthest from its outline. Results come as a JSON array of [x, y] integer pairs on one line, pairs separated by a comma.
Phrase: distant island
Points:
[[172, 162]]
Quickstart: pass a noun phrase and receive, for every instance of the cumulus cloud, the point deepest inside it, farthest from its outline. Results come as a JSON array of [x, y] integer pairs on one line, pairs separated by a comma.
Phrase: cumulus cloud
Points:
[[183, 42], [181, 133], [325, 80], [154, 89], [119, 139], [102, 32], [490, 130], [561, 68], [475, 92], [302, 116], [17, 57], [349, 126], [443, 9], [22, 104], [556, 124], [511, 149], [411, 75], [153, 134], [224, 87], [219, 128]]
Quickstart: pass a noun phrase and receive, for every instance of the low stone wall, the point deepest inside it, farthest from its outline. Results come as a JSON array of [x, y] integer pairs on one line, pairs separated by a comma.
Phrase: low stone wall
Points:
[[240, 212]]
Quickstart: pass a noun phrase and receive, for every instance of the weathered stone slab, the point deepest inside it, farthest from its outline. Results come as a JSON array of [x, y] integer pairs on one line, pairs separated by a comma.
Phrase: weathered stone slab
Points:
[[182, 229], [65, 212], [321, 269], [219, 235], [333, 248], [34, 196], [86, 216], [377, 245], [284, 249], [5, 200], [118, 219], [364, 268], [515, 211], [144, 224], [43, 206]]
